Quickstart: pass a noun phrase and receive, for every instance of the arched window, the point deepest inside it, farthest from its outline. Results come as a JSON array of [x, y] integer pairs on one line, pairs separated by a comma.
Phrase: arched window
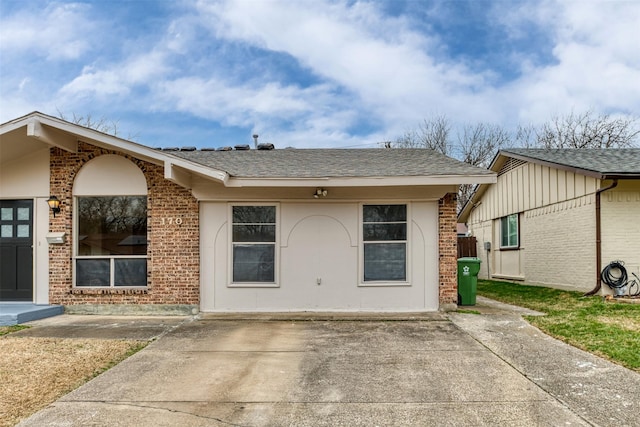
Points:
[[110, 227]]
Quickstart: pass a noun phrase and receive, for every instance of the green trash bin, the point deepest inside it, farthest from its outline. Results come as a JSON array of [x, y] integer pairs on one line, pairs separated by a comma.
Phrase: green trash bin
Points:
[[468, 269]]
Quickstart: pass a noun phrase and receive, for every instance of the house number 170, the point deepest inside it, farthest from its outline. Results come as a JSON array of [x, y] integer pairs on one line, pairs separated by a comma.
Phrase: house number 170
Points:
[[171, 221]]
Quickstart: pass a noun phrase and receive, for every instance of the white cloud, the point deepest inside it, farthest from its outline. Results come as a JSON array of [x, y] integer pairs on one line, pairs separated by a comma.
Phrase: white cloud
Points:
[[360, 66], [381, 61], [597, 65], [117, 79], [56, 32], [240, 105]]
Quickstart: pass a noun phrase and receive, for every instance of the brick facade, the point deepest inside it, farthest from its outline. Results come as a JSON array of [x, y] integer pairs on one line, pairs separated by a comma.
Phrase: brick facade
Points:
[[448, 252], [173, 247]]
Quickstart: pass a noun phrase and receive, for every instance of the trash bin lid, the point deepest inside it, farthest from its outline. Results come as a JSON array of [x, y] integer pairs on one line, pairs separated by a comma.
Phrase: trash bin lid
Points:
[[470, 260]]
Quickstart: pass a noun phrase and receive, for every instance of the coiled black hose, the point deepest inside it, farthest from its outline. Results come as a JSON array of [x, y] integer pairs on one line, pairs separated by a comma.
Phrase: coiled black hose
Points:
[[611, 280]]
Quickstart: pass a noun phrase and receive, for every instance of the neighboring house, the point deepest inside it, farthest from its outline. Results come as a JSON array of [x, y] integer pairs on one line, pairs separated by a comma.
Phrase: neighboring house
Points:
[[463, 230], [558, 217], [176, 230]]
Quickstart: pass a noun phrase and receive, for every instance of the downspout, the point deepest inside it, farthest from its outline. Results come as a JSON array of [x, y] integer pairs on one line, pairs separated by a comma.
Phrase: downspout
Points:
[[595, 290]]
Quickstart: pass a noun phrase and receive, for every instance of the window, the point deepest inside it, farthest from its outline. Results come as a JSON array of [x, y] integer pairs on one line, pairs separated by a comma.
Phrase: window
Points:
[[253, 244], [509, 231], [384, 236], [111, 242]]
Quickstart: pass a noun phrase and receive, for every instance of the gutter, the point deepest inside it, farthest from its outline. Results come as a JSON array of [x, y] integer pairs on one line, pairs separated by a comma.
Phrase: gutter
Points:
[[595, 290]]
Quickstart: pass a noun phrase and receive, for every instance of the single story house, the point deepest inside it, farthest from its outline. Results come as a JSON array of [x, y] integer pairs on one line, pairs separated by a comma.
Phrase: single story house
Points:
[[188, 230], [558, 217]]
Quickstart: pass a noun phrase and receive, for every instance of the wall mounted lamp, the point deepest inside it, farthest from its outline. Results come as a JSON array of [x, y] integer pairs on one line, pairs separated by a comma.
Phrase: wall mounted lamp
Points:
[[320, 192], [54, 204]]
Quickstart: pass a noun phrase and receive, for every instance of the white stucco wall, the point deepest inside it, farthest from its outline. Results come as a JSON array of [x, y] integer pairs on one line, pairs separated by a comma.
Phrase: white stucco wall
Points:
[[320, 241], [27, 178]]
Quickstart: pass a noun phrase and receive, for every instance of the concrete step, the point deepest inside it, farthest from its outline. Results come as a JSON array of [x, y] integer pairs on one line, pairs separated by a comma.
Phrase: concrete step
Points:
[[16, 313]]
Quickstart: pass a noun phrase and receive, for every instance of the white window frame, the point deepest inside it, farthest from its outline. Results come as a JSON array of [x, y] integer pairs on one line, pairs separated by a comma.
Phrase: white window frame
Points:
[[276, 255], [361, 243], [111, 258], [506, 218]]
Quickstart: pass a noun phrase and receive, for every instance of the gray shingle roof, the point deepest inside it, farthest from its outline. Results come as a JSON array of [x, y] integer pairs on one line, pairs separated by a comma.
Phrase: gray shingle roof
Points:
[[608, 162], [321, 163]]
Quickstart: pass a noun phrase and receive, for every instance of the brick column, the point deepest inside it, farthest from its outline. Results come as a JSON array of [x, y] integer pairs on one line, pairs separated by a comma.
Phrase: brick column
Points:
[[448, 252]]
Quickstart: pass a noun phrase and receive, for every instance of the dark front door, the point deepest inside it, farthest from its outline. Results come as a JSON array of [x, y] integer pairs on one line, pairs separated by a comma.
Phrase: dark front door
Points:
[[16, 250]]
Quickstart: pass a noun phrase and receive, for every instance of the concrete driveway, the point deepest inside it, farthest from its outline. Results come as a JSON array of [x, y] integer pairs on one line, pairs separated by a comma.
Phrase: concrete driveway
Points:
[[436, 370]]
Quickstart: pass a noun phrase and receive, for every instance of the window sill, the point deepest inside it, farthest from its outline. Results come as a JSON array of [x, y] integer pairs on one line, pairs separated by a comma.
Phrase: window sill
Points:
[[109, 291], [379, 284], [510, 248], [253, 285]]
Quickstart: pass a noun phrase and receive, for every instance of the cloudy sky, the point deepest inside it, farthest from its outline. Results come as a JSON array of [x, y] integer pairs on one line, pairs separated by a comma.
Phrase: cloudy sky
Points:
[[315, 73]]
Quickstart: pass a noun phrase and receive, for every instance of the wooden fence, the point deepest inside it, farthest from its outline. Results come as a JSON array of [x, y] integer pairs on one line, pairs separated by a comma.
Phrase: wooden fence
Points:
[[467, 247]]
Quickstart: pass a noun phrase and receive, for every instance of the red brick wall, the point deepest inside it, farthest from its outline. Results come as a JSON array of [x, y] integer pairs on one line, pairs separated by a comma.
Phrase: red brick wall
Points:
[[173, 249], [447, 246]]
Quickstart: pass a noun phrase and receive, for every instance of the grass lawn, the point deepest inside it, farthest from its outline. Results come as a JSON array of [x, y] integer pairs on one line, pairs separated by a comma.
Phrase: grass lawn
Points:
[[36, 371], [608, 329]]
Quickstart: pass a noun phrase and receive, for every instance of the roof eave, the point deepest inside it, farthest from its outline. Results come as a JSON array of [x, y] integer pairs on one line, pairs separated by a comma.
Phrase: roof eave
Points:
[[582, 171], [378, 181], [64, 135], [632, 175]]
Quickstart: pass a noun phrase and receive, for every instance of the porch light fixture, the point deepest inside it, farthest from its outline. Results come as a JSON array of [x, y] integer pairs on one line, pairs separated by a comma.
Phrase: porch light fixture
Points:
[[320, 192], [54, 204]]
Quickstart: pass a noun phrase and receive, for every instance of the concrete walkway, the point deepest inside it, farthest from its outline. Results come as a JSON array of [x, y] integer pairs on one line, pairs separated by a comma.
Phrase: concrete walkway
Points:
[[491, 369]]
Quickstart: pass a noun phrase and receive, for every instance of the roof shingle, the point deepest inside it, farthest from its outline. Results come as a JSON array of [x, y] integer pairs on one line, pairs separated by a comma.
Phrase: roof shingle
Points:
[[606, 161], [322, 163]]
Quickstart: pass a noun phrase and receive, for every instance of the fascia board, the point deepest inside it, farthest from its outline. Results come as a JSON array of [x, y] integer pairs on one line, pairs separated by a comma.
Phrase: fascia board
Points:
[[41, 126], [175, 168], [142, 152], [106, 141], [385, 181], [11, 126]]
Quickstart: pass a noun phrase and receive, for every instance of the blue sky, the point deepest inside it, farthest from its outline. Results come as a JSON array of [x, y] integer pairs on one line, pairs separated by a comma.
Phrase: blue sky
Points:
[[315, 73]]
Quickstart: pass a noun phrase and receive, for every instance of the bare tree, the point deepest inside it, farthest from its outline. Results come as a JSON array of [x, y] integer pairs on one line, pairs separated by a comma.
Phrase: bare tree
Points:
[[431, 133], [587, 130], [477, 145], [103, 125], [525, 137]]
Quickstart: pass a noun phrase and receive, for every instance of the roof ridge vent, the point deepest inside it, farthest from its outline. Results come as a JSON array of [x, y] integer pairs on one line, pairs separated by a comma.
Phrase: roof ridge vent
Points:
[[188, 149], [242, 147]]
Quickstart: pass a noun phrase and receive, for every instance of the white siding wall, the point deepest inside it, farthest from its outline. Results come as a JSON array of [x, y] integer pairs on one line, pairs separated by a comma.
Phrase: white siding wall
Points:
[[483, 232], [530, 186], [621, 225], [557, 226]]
